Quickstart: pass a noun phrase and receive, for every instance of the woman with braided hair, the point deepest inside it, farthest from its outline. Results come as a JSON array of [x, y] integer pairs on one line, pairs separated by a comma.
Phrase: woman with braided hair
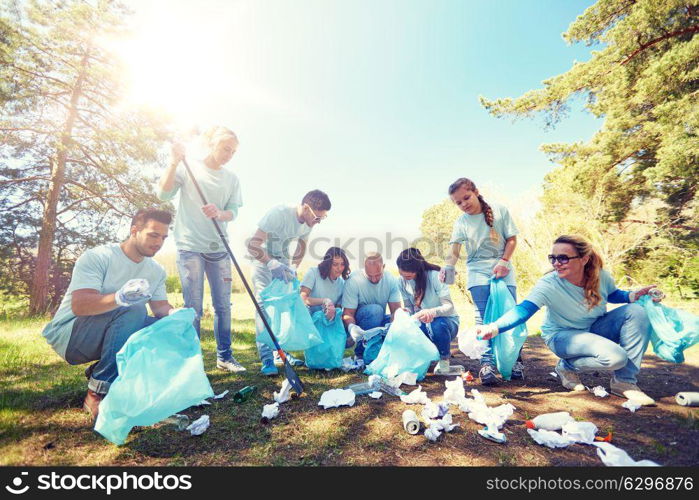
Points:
[[488, 234]]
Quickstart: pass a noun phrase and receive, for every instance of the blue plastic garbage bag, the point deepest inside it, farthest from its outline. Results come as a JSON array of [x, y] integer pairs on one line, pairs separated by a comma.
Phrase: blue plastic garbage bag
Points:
[[288, 316], [405, 349], [161, 372], [327, 355], [372, 347], [507, 345], [672, 330]]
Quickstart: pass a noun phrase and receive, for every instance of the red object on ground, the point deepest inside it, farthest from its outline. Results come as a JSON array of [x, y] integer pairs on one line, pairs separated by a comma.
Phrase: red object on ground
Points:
[[467, 377], [529, 424], [607, 438]]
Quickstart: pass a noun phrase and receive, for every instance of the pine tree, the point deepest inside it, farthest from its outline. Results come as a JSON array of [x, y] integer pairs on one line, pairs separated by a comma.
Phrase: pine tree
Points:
[[72, 156]]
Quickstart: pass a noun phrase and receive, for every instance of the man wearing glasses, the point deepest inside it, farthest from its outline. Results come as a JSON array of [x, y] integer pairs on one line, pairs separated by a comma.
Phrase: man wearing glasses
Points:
[[269, 248]]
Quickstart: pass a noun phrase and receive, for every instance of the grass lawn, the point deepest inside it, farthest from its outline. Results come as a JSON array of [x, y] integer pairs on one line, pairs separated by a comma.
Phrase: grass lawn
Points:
[[41, 421]]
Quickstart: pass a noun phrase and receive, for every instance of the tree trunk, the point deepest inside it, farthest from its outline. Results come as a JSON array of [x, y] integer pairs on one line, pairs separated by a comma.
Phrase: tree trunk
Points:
[[39, 297]]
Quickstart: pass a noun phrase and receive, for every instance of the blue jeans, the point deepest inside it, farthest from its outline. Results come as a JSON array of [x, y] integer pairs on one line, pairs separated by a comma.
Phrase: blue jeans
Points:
[[441, 332], [369, 316], [100, 337], [480, 295], [261, 277], [616, 342], [217, 266]]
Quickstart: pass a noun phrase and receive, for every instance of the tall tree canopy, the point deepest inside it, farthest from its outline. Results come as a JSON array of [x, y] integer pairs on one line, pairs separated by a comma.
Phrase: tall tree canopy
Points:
[[644, 82], [71, 153]]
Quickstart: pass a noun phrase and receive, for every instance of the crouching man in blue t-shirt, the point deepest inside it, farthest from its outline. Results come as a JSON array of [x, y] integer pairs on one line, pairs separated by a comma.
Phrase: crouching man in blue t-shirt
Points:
[[106, 302]]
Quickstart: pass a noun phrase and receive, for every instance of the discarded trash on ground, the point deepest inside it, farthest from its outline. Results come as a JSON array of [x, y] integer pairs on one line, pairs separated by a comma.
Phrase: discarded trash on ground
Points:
[[178, 420], [580, 432], [199, 426], [434, 410], [375, 394], [337, 397], [418, 396], [455, 391], [222, 395], [433, 432], [599, 391], [284, 393], [411, 423], [687, 398], [550, 421], [616, 457], [269, 412], [352, 363], [631, 405], [492, 433], [244, 394], [549, 438]]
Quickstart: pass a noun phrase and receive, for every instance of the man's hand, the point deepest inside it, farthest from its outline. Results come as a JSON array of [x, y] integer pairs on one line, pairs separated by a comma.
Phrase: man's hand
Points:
[[281, 271], [136, 291], [211, 211]]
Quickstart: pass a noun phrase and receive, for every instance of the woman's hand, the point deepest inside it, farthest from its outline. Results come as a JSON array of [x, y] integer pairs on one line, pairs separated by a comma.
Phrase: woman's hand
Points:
[[646, 290], [424, 315], [178, 151], [501, 269], [329, 309], [486, 332]]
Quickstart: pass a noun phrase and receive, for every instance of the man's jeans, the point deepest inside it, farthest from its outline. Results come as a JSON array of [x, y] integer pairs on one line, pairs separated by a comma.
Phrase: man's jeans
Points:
[[441, 332], [616, 342], [100, 337], [192, 266], [261, 277], [369, 316], [480, 295]]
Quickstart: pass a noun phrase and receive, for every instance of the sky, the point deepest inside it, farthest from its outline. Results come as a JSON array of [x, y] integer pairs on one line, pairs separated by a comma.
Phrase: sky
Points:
[[374, 102]]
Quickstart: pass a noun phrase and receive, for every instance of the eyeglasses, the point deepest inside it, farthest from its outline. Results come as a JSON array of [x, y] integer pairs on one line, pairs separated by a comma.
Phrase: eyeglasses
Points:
[[562, 259], [315, 217]]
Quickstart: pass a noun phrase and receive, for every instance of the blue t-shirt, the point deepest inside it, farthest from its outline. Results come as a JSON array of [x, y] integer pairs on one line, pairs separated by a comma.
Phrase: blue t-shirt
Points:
[[566, 308], [282, 227], [106, 269], [482, 253], [359, 291], [323, 288], [194, 231], [435, 290]]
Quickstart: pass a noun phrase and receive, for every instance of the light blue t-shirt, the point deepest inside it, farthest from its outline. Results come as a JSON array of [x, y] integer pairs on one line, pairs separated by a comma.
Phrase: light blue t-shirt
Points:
[[282, 227], [566, 308], [194, 231], [482, 253], [106, 269], [323, 288], [435, 290], [359, 291]]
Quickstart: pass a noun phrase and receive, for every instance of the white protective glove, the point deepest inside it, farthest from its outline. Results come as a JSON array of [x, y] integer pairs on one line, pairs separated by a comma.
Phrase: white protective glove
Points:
[[655, 293], [135, 291], [281, 271], [329, 309], [501, 269], [355, 332]]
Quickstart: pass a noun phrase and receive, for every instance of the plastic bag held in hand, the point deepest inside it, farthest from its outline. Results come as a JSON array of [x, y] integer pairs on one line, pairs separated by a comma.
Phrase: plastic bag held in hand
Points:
[[506, 345], [328, 354], [161, 372], [133, 292], [281, 271], [672, 330], [288, 317], [405, 349]]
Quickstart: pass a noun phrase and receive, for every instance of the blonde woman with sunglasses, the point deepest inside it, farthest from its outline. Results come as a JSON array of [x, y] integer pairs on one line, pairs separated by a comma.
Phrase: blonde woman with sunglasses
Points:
[[578, 328]]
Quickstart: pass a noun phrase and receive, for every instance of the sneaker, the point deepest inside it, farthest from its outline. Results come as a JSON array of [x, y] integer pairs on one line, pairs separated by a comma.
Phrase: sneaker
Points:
[[569, 378], [631, 392], [487, 375], [230, 365], [268, 368], [518, 371], [92, 403], [292, 360]]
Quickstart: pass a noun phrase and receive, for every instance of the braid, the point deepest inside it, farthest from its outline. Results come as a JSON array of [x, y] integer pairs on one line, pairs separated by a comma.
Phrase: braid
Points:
[[489, 218]]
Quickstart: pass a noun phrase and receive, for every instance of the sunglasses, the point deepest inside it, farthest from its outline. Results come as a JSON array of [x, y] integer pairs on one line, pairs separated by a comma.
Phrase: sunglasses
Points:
[[562, 259], [315, 217]]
